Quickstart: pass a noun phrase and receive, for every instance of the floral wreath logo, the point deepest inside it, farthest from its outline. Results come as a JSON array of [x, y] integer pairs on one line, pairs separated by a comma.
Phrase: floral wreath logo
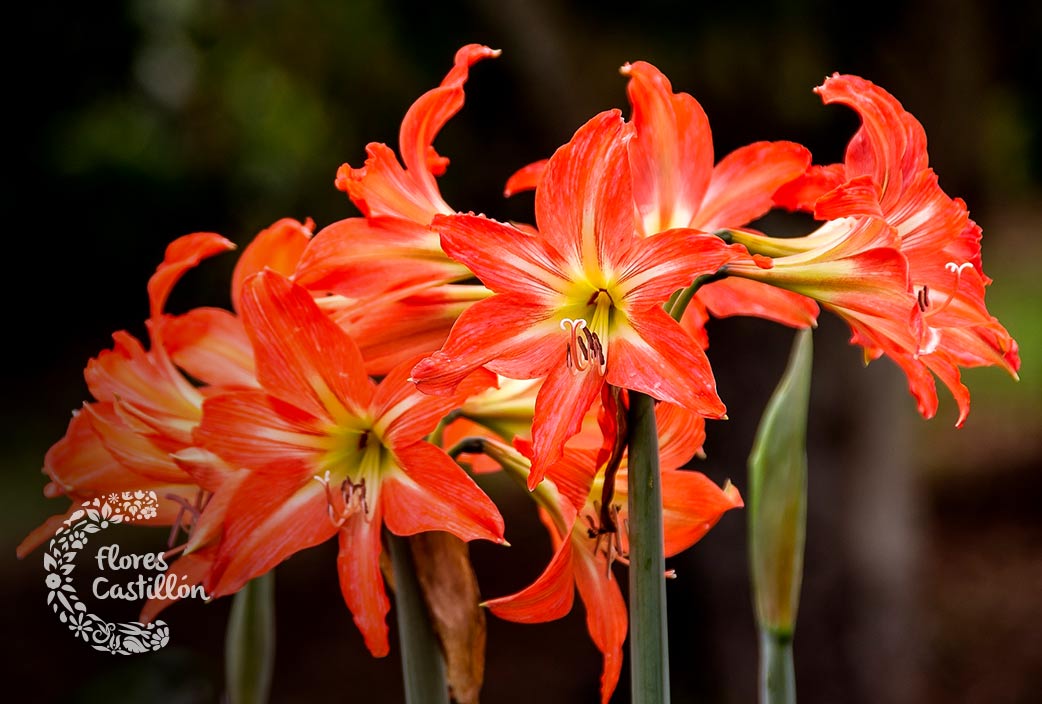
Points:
[[93, 517]]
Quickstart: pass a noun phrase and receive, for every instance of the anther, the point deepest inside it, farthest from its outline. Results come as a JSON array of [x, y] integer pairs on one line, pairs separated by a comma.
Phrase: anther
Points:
[[931, 337], [923, 297]]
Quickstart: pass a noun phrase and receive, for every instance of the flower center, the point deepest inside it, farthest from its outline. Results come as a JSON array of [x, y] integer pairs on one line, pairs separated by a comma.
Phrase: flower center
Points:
[[587, 336], [352, 477]]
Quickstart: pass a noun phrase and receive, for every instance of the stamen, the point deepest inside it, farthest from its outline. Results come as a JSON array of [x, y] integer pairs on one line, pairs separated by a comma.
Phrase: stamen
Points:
[[352, 499], [931, 337], [607, 540], [923, 297], [582, 351], [195, 509]]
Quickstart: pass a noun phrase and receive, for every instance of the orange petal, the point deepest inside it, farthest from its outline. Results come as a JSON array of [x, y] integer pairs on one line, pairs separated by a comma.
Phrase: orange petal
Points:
[[526, 178], [548, 598], [277, 248], [302, 356], [584, 204], [434, 493], [671, 152], [655, 356], [182, 254], [211, 345], [362, 585]]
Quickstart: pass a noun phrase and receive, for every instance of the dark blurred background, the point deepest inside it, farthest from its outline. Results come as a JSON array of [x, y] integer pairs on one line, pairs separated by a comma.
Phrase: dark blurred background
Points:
[[131, 123]]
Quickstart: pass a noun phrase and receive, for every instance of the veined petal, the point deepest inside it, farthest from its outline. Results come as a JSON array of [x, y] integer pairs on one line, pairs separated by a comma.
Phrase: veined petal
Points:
[[211, 345], [277, 248], [403, 415], [652, 268], [365, 257], [606, 616], [526, 178], [257, 431], [182, 254], [504, 258], [548, 598], [803, 192], [655, 356], [584, 204], [271, 517], [858, 196], [891, 144], [431, 492], [733, 296], [80, 465], [391, 330], [745, 181], [302, 356], [382, 188], [429, 114], [143, 379], [671, 153], [560, 407], [681, 435], [522, 338], [948, 372], [691, 505], [362, 585], [132, 449]]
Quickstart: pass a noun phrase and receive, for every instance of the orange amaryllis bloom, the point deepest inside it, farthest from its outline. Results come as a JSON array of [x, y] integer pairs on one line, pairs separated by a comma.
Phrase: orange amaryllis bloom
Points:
[[886, 176], [580, 302], [211, 344], [584, 548], [675, 185], [329, 452], [392, 246], [145, 409]]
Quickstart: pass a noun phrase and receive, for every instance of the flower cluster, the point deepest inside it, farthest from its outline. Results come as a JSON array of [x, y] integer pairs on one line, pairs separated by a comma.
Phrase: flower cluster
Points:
[[326, 403]]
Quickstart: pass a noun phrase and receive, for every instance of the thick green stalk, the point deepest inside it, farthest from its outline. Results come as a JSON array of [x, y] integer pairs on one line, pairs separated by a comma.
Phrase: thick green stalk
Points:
[[249, 646], [423, 665], [777, 674], [649, 638]]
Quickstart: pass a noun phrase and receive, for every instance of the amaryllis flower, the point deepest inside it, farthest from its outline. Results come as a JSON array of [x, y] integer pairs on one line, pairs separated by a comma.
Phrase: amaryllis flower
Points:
[[675, 185], [144, 410], [331, 453], [585, 547], [940, 322], [392, 247], [580, 302]]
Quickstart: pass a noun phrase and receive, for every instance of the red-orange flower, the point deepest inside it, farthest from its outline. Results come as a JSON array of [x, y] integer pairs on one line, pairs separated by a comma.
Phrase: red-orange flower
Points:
[[675, 185], [580, 302], [935, 321], [329, 452], [584, 548], [392, 247], [144, 410]]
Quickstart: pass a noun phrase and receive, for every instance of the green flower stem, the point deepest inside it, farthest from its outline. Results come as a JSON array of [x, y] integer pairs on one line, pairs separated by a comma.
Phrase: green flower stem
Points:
[[649, 638], [423, 665], [777, 514], [249, 651], [777, 675], [678, 302]]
